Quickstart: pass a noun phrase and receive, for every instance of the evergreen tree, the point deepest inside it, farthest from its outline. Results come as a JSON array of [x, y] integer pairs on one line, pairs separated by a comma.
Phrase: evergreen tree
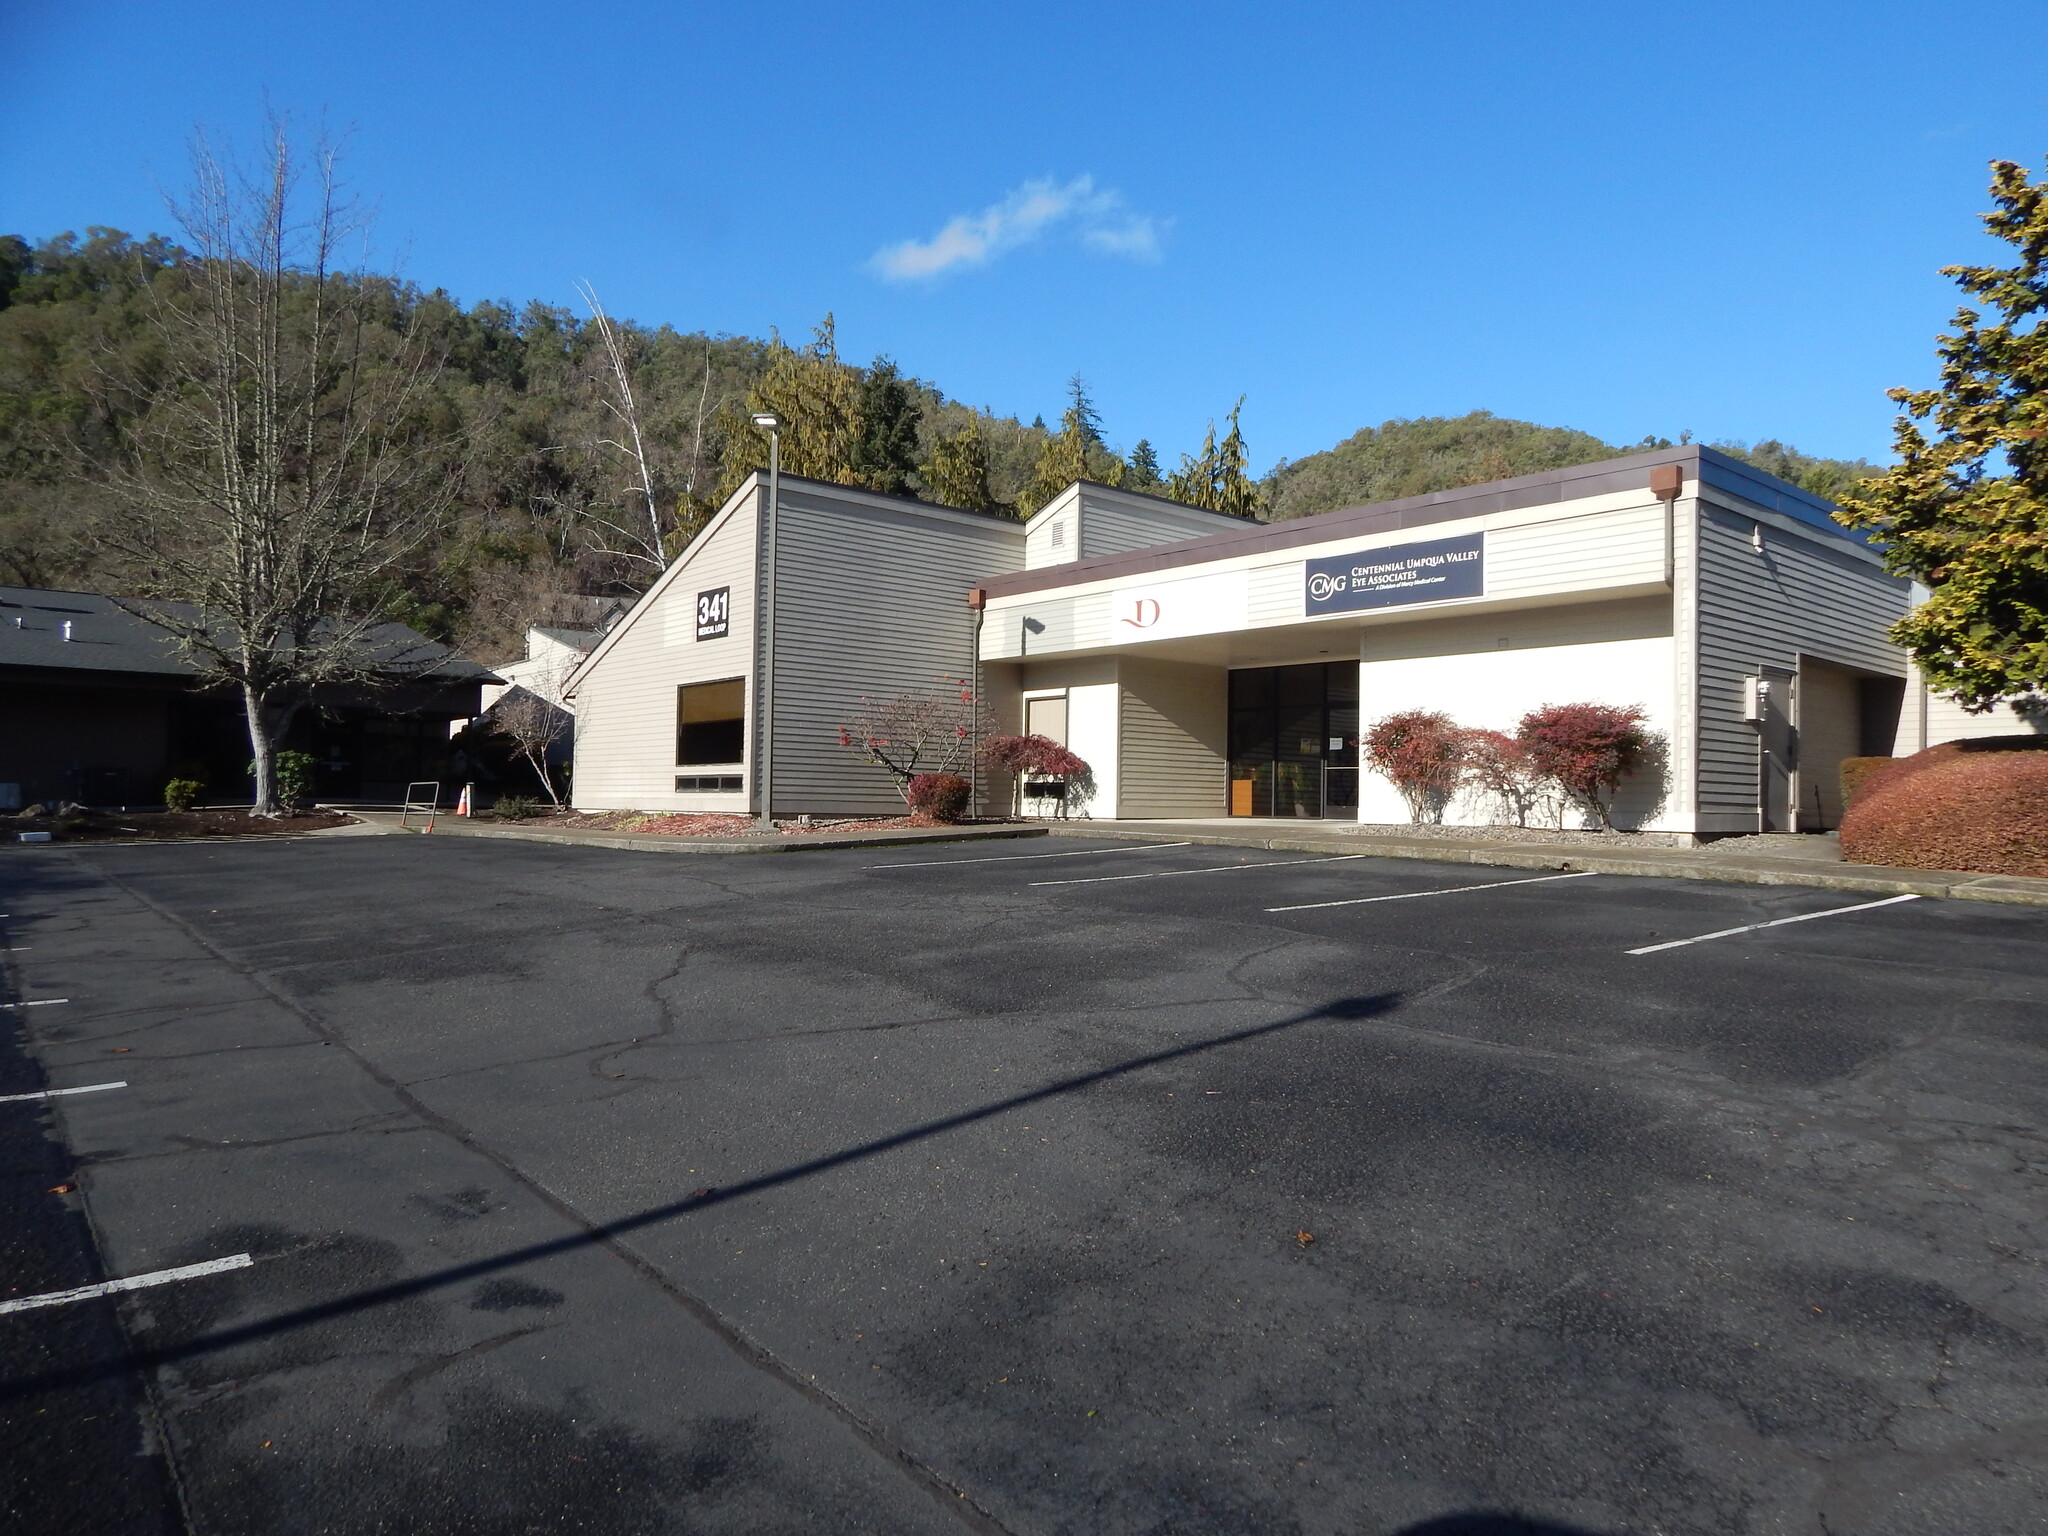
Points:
[[958, 473], [1236, 492], [885, 452], [1141, 469], [1219, 476], [818, 398], [1943, 515], [1081, 419], [1194, 483], [1075, 452]]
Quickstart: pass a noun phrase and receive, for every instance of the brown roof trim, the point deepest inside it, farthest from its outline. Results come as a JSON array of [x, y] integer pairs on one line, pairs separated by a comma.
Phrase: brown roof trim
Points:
[[1629, 473]]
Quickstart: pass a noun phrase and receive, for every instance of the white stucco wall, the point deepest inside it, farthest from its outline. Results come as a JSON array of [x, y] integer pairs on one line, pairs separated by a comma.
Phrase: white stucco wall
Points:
[[1493, 689], [1092, 713]]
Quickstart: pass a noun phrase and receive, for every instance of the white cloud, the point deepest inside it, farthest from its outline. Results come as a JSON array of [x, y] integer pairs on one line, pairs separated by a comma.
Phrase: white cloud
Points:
[[971, 240]]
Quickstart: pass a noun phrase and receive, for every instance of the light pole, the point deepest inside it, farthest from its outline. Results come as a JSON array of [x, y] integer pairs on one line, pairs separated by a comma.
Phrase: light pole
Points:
[[764, 747]]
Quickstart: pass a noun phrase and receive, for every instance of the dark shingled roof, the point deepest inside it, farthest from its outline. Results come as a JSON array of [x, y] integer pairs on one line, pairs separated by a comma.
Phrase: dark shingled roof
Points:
[[105, 637]]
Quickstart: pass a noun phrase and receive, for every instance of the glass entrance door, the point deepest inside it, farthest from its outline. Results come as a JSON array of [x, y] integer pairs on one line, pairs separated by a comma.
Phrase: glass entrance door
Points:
[[1294, 740]]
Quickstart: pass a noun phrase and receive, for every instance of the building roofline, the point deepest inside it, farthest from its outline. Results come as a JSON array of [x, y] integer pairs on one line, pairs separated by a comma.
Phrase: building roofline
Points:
[[916, 503], [1124, 490], [1701, 464]]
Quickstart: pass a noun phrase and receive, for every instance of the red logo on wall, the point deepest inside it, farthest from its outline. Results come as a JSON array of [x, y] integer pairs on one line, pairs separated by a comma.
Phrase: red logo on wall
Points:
[[1144, 613]]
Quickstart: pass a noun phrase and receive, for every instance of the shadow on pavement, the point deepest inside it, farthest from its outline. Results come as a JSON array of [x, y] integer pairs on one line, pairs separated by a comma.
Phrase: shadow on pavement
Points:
[[1479, 1523], [1350, 1008]]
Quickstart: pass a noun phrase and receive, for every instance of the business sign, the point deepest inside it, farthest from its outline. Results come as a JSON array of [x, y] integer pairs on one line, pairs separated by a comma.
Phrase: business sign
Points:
[[1396, 574], [714, 613], [1167, 610]]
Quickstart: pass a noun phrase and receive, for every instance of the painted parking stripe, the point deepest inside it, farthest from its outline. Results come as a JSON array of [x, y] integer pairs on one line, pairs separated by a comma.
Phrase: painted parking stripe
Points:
[[132, 1283], [1804, 917], [1212, 869], [57, 1093], [41, 1002], [1011, 858], [1449, 890]]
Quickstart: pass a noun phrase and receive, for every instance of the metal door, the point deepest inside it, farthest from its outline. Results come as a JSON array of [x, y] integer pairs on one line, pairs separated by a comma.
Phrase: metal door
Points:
[[1777, 750]]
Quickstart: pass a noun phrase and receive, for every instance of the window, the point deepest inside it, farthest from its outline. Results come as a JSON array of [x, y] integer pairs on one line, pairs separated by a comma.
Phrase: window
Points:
[[711, 722], [713, 783], [1047, 718]]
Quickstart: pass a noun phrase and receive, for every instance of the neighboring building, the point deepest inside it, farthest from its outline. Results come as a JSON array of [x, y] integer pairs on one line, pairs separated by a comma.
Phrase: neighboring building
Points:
[[99, 706], [1205, 666], [552, 657]]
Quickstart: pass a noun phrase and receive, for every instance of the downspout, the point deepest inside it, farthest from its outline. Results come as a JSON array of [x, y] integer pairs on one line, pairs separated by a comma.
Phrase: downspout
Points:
[[977, 609]]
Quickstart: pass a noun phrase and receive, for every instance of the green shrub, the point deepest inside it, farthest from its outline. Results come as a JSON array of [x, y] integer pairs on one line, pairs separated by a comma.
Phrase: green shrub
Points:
[[515, 807], [291, 774], [182, 794]]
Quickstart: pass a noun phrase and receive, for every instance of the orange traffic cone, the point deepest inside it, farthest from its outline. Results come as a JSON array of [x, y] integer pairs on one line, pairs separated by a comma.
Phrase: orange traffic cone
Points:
[[462, 805]]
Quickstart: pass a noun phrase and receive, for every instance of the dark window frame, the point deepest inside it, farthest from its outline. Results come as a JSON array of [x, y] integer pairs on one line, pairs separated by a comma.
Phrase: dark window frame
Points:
[[711, 736]]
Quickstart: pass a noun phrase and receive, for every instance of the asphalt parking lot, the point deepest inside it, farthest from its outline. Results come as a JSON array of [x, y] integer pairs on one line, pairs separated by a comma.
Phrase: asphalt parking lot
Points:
[[1003, 1188]]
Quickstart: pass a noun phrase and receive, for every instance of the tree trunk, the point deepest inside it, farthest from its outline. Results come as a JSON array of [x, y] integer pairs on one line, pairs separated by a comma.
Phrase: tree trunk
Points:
[[263, 748], [538, 762]]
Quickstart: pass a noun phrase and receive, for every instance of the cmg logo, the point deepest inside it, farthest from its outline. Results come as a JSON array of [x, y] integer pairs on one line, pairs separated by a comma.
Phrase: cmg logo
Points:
[[1324, 585]]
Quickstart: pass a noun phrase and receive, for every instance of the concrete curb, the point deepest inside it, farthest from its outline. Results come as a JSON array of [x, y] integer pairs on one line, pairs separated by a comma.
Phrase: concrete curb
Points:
[[1668, 864], [657, 842]]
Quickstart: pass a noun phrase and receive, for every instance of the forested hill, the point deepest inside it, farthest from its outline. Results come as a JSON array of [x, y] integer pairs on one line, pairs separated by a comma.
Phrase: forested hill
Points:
[[1442, 453], [547, 506]]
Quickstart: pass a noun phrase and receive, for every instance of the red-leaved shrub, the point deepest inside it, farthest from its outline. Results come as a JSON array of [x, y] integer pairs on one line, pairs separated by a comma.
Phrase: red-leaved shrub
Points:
[[1499, 766], [941, 796], [1032, 754], [1980, 806], [1422, 754], [1586, 750], [1855, 770]]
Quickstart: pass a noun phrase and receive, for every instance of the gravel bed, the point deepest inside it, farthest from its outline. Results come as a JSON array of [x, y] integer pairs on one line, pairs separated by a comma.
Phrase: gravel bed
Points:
[[1509, 834]]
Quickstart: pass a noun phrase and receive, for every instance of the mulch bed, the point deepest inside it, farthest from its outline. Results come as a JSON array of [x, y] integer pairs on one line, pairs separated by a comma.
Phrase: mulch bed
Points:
[[165, 826]]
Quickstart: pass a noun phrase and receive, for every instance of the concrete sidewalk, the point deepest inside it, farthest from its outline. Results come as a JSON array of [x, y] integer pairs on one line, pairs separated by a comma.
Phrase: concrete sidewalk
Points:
[[447, 825], [1805, 867]]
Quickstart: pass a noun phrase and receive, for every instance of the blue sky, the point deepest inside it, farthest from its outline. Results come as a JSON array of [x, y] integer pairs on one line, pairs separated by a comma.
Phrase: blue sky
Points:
[[1625, 218]]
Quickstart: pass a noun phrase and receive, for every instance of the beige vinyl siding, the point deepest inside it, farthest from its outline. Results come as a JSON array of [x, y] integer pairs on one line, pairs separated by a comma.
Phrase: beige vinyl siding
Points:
[[1059, 519], [626, 696], [872, 600], [1172, 756], [1949, 721], [1602, 550], [1275, 594], [1806, 592], [1116, 522], [1830, 723], [1530, 554]]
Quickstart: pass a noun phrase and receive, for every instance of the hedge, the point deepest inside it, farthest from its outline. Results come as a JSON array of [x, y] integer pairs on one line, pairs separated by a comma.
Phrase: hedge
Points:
[[1980, 806]]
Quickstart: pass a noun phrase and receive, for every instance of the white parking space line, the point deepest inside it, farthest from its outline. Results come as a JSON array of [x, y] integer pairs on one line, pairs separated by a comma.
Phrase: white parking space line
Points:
[[57, 1093], [1449, 890], [41, 1002], [1804, 917], [132, 1283], [1011, 858], [1211, 869]]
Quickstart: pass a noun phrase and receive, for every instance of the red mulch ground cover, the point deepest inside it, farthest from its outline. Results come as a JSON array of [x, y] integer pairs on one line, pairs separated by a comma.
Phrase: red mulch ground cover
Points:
[[1980, 806], [165, 826]]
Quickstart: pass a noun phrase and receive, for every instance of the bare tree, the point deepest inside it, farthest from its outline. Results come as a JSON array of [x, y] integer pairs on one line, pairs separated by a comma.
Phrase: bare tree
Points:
[[929, 732], [642, 547], [289, 457], [534, 726]]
